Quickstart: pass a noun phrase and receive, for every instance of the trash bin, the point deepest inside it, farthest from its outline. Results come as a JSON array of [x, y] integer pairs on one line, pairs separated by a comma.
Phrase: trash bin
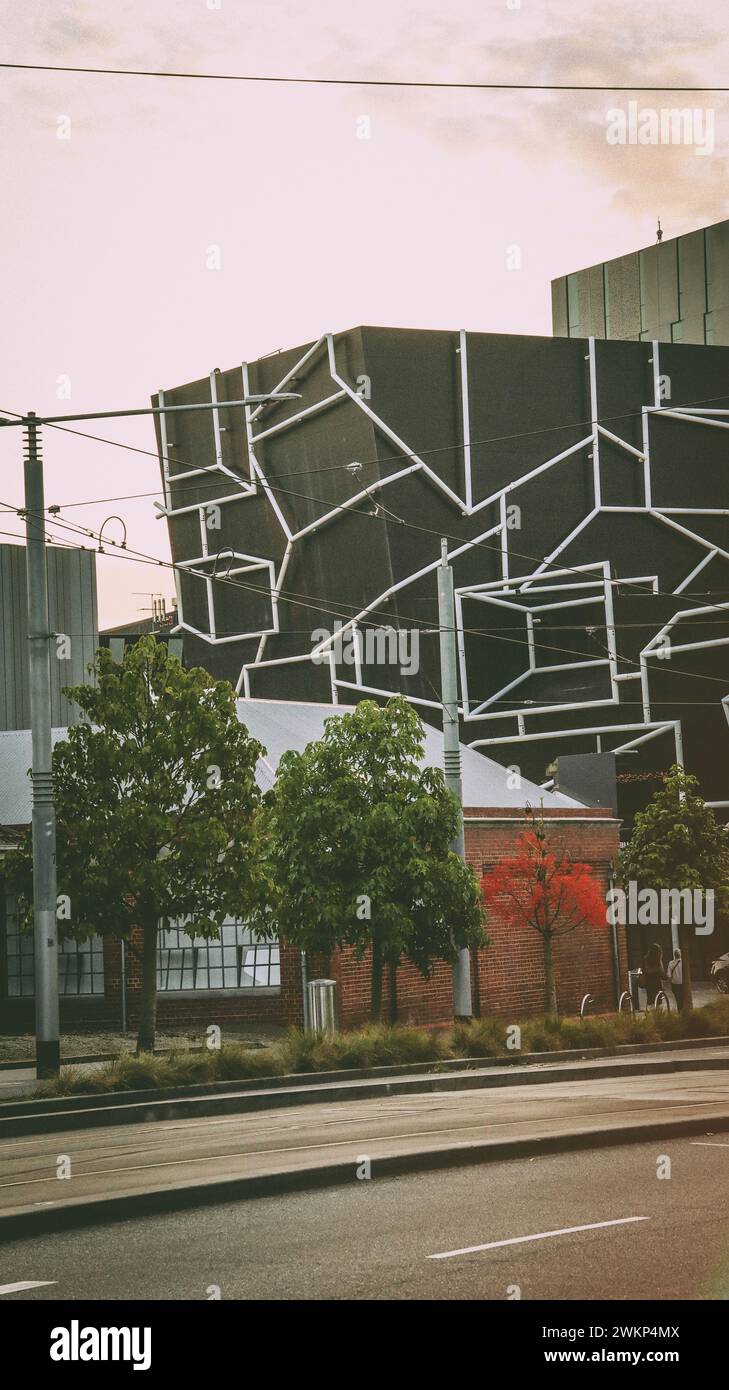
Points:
[[322, 1013], [634, 987]]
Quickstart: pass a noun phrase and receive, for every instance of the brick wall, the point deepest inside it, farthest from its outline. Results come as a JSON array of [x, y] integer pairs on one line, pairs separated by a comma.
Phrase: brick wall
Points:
[[282, 1006], [507, 977]]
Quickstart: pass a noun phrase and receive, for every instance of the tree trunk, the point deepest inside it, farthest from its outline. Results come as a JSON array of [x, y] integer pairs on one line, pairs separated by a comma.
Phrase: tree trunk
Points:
[[550, 983], [393, 991], [684, 936], [376, 994], [148, 1015]]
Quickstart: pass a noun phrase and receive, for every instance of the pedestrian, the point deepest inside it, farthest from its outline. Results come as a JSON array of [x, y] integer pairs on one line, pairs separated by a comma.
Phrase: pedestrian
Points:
[[675, 975], [652, 972]]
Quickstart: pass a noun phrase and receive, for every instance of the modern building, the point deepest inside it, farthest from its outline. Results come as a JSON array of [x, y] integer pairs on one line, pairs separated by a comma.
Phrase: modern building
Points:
[[238, 979], [676, 291], [74, 624], [582, 488]]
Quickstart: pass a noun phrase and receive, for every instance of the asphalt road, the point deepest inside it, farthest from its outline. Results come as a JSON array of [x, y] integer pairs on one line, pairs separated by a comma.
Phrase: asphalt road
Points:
[[376, 1239], [53, 1169]]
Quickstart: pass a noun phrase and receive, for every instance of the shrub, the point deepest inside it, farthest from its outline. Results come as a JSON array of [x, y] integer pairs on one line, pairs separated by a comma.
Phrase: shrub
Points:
[[382, 1045]]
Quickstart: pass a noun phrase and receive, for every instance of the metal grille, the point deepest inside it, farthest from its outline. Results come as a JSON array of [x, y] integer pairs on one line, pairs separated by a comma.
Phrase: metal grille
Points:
[[80, 964], [236, 960]]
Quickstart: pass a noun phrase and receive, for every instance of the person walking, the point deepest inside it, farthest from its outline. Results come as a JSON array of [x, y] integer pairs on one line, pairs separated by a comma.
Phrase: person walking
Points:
[[652, 973], [675, 976]]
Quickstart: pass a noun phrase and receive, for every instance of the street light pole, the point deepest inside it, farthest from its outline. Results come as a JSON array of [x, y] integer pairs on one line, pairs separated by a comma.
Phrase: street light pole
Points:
[[44, 816], [45, 925], [462, 1005]]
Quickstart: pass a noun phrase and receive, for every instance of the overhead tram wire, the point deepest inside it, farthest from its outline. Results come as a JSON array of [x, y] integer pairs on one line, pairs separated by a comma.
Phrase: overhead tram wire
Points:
[[413, 526], [311, 602], [338, 467], [405, 83]]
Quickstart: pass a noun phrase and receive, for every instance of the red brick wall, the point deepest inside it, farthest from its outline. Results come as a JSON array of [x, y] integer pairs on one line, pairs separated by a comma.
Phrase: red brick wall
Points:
[[215, 1006], [418, 1000], [508, 977]]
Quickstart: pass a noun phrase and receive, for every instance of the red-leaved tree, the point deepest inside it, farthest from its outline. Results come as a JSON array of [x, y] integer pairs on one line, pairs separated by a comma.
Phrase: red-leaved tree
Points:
[[541, 887]]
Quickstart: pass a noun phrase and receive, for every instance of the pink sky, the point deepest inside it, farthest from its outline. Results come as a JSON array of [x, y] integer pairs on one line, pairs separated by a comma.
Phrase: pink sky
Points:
[[104, 235]]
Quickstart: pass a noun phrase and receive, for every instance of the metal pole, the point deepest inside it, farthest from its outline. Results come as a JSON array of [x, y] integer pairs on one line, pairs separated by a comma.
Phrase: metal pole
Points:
[[306, 1012], [47, 1052], [462, 1006], [123, 985]]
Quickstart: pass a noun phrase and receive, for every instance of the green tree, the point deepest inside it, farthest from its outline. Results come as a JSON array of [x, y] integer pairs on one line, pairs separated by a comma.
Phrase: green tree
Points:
[[678, 843], [156, 802], [358, 854]]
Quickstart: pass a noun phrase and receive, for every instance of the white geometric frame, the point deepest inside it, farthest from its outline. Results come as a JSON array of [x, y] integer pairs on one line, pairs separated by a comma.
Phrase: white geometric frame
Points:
[[487, 592]]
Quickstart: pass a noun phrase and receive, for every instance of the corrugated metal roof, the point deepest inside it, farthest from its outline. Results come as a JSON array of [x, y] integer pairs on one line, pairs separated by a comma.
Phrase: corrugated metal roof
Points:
[[281, 725]]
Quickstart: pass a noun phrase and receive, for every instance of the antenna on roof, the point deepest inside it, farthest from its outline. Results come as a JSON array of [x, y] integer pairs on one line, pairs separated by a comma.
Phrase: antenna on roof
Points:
[[659, 231]]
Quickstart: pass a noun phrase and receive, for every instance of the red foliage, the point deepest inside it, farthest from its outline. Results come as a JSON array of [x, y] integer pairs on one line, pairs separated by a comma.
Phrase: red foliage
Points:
[[544, 888]]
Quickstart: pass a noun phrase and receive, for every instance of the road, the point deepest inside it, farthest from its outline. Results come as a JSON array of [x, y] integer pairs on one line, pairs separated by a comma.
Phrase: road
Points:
[[375, 1240], [156, 1156]]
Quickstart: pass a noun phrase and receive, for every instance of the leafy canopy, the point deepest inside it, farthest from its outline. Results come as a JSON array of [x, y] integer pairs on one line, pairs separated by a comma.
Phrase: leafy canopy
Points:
[[155, 800], [358, 839], [677, 842], [543, 888]]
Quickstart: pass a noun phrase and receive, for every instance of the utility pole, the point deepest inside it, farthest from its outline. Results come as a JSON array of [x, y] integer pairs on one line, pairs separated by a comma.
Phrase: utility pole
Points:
[[462, 1006], [47, 1052], [45, 926]]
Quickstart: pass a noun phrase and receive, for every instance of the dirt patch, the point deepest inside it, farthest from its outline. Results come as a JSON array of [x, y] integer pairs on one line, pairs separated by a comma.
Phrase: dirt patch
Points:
[[21, 1047]]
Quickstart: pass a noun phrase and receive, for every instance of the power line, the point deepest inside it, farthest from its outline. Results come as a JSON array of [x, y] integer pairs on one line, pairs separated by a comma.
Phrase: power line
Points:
[[311, 602], [361, 81], [472, 544], [338, 467]]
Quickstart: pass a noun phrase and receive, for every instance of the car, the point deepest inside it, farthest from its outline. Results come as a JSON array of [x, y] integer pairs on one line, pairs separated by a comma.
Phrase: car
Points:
[[720, 973]]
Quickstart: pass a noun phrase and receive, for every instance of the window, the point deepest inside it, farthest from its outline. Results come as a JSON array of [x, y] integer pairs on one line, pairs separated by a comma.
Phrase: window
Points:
[[643, 293], [234, 960], [606, 299], [710, 269], [573, 307], [80, 964]]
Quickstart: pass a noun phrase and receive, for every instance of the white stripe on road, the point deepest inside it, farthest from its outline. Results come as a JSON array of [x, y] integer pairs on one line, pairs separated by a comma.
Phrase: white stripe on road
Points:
[[26, 1284], [707, 1144], [542, 1235]]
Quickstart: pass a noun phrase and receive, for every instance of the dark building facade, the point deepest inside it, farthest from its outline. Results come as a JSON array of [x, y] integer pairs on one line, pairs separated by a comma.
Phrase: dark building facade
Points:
[[584, 495], [676, 291]]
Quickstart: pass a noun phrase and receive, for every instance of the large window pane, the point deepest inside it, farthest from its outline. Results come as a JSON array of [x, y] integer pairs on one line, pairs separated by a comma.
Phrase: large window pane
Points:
[[235, 960]]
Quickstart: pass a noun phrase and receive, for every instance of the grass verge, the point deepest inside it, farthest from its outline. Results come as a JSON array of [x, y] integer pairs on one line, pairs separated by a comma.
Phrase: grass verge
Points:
[[380, 1045]]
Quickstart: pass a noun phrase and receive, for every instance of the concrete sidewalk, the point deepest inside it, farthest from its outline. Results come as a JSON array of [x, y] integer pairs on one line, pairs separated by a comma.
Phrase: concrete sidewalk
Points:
[[25, 1117], [108, 1173]]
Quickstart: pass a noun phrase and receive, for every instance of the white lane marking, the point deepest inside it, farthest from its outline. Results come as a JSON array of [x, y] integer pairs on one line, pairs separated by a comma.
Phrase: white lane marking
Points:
[[26, 1284], [542, 1235], [707, 1144]]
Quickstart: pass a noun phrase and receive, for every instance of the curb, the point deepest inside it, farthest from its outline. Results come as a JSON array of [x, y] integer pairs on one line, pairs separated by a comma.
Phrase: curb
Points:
[[79, 1213], [141, 1107], [59, 1104]]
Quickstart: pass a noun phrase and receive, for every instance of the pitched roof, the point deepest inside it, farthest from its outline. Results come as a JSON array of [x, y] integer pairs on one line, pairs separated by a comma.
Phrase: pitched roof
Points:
[[281, 725]]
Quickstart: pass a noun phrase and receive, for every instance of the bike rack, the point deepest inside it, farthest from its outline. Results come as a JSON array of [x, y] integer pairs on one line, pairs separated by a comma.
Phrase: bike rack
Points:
[[587, 1002], [664, 1006], [625, 1003]]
